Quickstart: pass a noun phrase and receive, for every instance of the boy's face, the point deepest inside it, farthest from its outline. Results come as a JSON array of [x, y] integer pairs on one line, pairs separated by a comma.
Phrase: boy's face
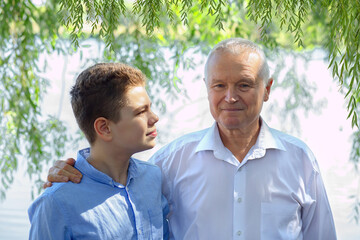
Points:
[[135, 131]]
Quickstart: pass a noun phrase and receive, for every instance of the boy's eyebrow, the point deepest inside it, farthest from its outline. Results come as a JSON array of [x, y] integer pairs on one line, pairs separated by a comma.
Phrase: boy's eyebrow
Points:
[[145, 106]]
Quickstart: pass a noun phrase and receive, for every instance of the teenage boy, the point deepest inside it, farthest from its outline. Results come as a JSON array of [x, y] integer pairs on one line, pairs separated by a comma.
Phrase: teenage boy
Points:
[[119, 197]]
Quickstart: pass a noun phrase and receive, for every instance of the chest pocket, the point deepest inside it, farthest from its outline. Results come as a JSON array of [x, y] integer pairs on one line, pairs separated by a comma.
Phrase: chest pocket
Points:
[[280, 221]]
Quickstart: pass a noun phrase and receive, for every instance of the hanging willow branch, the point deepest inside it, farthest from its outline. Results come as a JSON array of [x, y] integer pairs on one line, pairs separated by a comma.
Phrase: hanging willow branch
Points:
[[342, 19]]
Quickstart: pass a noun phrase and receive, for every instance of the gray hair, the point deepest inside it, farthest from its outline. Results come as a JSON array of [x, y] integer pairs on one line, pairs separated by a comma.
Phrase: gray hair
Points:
[[238, 46]]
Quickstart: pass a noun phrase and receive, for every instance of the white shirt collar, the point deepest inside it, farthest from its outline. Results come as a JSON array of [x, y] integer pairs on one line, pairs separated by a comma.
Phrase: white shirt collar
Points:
[[212, 141], [267, 139]]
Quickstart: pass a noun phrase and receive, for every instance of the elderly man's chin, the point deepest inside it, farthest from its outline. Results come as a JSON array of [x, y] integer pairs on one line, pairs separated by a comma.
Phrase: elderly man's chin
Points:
[[230, 124]]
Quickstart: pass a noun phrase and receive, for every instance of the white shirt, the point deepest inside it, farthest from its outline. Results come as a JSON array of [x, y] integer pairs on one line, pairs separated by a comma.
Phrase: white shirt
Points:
[[276, 192]]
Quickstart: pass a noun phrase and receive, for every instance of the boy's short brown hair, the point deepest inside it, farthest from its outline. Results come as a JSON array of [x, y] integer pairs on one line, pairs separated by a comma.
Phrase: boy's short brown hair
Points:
[[99, 92]]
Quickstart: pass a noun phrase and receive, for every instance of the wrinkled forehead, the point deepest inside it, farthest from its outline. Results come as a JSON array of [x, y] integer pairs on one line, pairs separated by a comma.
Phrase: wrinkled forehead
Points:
[[243, 55], [246, 52]]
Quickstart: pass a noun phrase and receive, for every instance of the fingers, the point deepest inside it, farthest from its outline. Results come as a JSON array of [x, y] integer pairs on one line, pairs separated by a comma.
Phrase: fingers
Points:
[[57, 174], [47, 184], [63, 171], [70, 161]]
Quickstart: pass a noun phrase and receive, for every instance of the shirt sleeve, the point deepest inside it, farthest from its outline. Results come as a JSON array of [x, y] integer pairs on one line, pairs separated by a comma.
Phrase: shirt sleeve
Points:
[[165, 181], [166, 193], [47, 220], [317, 218]]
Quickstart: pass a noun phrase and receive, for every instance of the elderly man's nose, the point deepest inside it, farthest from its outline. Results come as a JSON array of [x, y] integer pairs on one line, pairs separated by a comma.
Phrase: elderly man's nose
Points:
[[231, 96]]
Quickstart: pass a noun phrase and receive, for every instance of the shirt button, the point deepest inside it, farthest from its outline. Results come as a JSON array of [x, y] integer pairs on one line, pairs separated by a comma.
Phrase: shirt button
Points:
[[238, 233], [239, 200]]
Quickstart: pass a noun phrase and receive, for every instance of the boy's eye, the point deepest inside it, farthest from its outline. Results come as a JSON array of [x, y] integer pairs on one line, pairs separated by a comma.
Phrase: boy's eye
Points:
[[141, 112]]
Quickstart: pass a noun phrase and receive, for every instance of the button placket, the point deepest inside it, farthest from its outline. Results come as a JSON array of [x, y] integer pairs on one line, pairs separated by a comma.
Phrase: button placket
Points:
[[239, 190]]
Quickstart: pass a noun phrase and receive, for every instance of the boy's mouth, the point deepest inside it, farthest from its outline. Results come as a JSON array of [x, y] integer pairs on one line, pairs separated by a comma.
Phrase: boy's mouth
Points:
[[152, 133]]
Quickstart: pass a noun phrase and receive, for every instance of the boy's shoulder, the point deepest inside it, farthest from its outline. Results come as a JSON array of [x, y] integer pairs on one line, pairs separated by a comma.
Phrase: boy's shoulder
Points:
[[61, 190], [56, 188], [55, 194]]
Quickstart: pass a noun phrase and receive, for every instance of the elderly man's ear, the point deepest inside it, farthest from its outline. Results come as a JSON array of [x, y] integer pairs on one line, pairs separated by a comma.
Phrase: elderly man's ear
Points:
[[268, 89]]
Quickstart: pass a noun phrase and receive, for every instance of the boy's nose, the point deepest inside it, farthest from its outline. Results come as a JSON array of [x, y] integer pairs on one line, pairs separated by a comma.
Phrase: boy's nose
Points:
[[153, 119]]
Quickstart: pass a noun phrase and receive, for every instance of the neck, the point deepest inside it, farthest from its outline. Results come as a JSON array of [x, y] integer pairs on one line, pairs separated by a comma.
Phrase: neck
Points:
[[113, 164], [240, 141]]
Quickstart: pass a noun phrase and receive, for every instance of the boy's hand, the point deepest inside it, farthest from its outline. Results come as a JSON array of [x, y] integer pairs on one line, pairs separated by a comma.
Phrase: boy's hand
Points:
[[63, 171]]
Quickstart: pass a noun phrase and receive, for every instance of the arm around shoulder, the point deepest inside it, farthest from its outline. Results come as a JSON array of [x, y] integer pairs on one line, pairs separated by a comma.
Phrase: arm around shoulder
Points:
[[63, 171]]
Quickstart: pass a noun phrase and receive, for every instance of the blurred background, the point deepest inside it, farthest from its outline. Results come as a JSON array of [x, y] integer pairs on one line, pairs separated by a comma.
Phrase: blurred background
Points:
[[312, 49], [324, 128]]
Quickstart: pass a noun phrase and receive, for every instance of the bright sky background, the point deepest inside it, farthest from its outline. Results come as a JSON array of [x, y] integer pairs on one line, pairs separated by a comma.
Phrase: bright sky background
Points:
[[327, 133]]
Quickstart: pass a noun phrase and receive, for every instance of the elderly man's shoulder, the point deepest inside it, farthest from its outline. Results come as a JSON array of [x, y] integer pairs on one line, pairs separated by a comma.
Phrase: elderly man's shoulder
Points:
[[184, 142], [288, 138], [290, 142]]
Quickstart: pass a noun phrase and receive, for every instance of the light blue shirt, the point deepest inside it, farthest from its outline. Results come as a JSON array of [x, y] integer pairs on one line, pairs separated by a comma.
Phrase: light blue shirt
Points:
[[99, 208]]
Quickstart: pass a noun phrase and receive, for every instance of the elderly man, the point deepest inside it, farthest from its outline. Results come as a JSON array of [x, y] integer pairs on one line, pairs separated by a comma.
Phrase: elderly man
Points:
[[239, 179]]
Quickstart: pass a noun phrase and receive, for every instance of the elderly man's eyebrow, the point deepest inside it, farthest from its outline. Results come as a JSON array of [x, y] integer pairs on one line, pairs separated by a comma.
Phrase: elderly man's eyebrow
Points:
[[246, 79], [217, 80]]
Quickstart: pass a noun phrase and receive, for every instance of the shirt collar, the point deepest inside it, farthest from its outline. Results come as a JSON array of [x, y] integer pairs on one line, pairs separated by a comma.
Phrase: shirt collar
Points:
[[87, 169], [212, 142], [267, 139]]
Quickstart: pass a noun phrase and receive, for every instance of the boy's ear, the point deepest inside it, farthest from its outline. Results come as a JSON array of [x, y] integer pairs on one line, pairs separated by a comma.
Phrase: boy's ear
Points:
[[102, 128]]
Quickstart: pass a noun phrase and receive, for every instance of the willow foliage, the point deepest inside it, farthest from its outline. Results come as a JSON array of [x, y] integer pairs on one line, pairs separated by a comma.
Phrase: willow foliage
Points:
[[153, 35], [26, 31], [338, 21]]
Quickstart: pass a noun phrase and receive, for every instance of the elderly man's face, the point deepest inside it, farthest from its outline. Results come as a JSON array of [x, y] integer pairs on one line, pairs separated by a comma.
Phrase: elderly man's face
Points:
[[235, 93]]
